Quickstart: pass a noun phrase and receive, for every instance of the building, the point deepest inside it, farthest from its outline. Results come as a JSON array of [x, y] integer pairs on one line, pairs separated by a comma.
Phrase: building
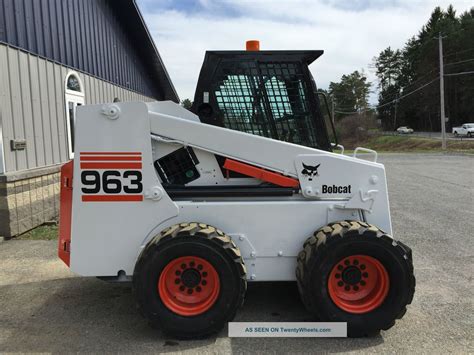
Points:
[[56, 55]]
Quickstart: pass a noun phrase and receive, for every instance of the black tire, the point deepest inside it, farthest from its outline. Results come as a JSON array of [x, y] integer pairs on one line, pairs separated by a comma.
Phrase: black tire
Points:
[[331, 244], [456, 134], [469, 134], [198, 240]]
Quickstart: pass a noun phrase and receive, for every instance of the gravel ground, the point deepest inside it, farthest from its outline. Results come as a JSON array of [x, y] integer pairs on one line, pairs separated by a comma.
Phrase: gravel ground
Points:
[[45, 308]]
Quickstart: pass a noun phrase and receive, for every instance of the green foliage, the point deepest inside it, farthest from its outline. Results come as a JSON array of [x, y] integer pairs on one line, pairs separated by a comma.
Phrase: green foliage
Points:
[[389, 66], [187, 103], [403, 71], [351, 93]]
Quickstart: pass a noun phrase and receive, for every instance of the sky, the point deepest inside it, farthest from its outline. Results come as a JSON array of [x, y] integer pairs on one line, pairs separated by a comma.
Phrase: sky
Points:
[[351, 32]]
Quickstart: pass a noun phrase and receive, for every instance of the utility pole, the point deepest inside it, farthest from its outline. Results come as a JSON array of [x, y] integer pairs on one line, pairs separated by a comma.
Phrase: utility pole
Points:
[[396, 107], [441, 90], [332, 109]]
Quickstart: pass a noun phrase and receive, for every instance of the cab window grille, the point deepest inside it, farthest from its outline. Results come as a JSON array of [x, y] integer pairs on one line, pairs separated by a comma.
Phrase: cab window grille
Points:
[[178, 167], [266, 99]]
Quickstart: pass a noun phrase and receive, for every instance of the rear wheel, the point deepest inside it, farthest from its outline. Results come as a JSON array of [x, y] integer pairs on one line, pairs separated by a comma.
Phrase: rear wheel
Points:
[[190, 280], [353, 272], [189, 285]]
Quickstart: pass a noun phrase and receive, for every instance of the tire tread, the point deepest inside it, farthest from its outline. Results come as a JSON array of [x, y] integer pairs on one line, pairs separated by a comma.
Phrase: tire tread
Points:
[[200, 230], [328, 235]]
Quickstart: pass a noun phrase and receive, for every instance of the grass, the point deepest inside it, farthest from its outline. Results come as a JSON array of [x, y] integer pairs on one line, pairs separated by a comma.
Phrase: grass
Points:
[[401, 143], [43, 232], [415, 144]]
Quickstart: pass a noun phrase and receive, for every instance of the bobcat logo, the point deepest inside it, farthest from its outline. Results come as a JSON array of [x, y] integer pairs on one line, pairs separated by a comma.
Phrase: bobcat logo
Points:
[[310, 171]]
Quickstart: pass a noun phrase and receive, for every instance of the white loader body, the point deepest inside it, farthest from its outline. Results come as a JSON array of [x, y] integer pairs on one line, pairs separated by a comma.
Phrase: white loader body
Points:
[[119, 202]]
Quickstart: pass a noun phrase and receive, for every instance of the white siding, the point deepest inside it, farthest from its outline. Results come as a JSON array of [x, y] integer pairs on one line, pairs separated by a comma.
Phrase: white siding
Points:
[[33, 107]]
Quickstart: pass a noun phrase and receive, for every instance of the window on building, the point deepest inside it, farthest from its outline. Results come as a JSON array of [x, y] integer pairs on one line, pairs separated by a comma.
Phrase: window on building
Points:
[[73, 83], [74, 97]]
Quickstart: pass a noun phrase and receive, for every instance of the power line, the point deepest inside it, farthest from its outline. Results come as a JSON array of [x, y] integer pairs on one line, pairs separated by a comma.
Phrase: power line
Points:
[[436, 69], [460, 62], [421, 87], [425, 75], [415, 81], [421, 77], [454, 53], [408, 94], [403, 96], [390, 102], [433, 70], [461, 73]]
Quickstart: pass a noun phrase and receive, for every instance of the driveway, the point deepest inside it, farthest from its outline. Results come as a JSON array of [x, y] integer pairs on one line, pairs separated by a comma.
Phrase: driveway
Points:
[[46, 308]]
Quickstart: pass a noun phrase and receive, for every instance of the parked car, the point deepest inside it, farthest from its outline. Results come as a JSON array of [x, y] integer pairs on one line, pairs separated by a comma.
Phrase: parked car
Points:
[[404, 130], [467, 129]]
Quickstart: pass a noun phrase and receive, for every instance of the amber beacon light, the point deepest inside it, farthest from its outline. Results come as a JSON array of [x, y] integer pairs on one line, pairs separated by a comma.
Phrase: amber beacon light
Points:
[[252, 45]]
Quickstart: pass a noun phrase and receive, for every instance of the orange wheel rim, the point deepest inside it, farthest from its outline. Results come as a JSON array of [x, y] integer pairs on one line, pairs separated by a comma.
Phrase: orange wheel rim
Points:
[[358, 284], [189, 285]]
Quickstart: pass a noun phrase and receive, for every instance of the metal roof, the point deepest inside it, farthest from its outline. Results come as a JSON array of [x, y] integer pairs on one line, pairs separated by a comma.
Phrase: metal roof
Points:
[[129, 14], [107, 39]]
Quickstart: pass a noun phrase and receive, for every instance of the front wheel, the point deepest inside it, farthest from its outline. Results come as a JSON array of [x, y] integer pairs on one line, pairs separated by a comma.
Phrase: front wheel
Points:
[[353, 272]]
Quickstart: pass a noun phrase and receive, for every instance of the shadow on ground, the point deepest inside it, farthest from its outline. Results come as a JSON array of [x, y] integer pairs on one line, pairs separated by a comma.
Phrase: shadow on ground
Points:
[[89, 315]]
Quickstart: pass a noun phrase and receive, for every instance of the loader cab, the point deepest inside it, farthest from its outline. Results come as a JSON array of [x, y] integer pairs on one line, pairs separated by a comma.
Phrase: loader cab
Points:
[[267, 93]]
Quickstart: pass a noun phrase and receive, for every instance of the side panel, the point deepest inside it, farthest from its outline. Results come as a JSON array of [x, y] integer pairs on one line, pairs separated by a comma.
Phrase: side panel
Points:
[[365, 186], [106, 234]]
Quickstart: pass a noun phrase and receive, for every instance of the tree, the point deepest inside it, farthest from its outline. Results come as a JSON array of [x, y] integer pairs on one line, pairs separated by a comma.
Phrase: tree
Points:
[[351, 94], [412, 72], [187, 104], [389, 66], [389, 70]]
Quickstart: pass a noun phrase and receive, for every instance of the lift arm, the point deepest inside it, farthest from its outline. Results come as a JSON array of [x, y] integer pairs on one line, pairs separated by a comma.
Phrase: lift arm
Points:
[[260, 151]]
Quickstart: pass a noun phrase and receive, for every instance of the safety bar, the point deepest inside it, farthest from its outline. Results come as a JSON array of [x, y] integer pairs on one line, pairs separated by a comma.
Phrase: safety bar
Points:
[[338, 146], [367, 150]]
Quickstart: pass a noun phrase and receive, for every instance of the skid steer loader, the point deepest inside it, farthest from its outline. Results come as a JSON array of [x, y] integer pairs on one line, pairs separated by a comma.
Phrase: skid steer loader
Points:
[[192, 206]]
